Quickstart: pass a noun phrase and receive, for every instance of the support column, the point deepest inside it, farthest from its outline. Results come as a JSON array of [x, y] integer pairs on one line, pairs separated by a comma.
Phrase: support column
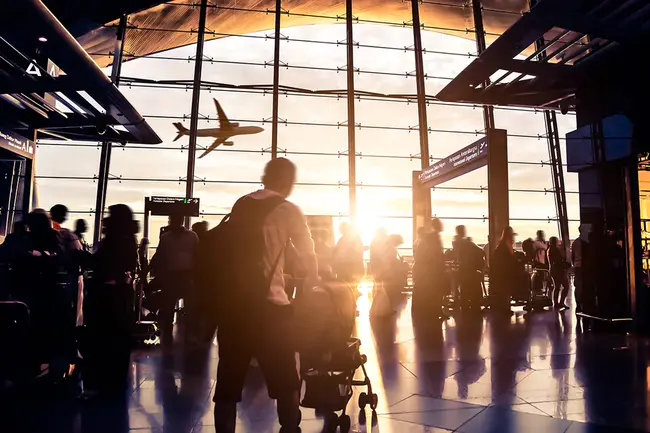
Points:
[[29, 179], [634, 248], [352, 148], [276, 79], [421, 204], [105, 156], [498, 199], [421, 90], [424, 207], [196, 96], [488, 111], [557, 171]]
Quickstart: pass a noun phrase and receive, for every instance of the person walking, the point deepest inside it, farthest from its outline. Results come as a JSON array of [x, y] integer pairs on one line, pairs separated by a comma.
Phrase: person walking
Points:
[[431, 284], [173, 263], [80, 230], [471, 264], [579, 250], [503, 262], [348, 257], [256, 318], [108, 309], [559, 267]]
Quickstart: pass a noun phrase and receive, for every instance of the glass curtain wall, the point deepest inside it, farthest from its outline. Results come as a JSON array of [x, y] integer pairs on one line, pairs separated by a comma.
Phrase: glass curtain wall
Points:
[[313, 119]]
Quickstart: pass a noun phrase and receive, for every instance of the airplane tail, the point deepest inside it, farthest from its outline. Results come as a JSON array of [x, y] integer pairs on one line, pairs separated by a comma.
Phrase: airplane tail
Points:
[[181, 130]]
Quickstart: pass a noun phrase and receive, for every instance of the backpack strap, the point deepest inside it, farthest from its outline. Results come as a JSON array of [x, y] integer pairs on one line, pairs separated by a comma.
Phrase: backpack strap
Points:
[[260, 208]]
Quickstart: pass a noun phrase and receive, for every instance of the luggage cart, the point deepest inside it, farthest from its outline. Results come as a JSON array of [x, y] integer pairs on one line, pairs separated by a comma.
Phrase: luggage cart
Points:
[[541, 289]]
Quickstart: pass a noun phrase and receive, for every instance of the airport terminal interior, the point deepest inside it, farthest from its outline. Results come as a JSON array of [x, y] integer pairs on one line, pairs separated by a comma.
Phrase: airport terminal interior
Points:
[[509, 130]]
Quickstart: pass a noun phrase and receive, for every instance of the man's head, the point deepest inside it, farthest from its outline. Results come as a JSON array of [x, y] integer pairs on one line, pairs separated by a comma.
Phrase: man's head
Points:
[[345, 229], [436, 225], [81, 226], [541, 235], [508, 235], [280, 176], [200, 228], [59, 213], [553, 241], [461, 231], [176, 220]]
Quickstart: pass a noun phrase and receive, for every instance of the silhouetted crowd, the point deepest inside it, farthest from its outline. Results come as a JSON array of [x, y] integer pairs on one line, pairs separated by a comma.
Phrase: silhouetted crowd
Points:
[[242, 279]]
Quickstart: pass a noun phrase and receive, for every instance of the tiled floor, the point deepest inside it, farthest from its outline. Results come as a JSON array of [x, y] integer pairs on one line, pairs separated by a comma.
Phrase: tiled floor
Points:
[[529, 373]]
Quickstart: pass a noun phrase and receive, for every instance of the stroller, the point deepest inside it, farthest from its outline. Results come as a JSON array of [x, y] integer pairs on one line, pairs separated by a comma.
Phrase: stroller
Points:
[[329, 357]]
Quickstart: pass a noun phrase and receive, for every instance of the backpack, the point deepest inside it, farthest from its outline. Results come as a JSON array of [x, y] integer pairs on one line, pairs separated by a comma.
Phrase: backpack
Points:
[[230, 266]]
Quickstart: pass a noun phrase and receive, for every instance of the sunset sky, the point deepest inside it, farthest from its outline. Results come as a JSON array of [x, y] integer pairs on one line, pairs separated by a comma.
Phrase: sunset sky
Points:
[[455, 127]]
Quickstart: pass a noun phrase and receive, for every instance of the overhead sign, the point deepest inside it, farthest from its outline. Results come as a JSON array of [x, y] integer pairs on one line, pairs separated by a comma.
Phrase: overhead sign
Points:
[[17, 144], [174, 206], [458, 163]]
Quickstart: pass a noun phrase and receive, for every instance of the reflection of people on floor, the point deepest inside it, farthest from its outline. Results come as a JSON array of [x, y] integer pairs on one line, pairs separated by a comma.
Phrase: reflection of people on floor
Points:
[[430, 355], [182, 397], [507, 357], [469, 337]]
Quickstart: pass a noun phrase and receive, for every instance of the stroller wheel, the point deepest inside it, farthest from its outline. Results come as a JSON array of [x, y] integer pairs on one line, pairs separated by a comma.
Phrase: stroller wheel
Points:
[[331, 422], [363, 400], [375, 419], [374, 399], [345, 423], [362, 417]]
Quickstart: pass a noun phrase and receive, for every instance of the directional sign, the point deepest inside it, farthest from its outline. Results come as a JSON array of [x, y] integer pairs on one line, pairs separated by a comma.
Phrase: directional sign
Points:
[[174, 206], [458, 163], [17, 144]]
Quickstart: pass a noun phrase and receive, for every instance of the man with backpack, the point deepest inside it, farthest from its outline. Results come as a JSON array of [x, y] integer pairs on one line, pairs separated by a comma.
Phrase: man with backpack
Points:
[[255, 312]]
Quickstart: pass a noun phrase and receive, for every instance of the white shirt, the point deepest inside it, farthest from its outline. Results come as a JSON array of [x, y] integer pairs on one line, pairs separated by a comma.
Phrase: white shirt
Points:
[[540, 250], [286, 223]]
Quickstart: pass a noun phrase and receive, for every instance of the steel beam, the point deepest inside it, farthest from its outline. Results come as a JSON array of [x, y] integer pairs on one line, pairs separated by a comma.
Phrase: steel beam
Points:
[[352, 148], [479, 30], [107, 146], [276, 79], [421, 90], [557, 171], [196, 96], [555, 155]]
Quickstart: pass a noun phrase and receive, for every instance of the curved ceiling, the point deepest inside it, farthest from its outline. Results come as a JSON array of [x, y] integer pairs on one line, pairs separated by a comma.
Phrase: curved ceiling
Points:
[[235, 17]]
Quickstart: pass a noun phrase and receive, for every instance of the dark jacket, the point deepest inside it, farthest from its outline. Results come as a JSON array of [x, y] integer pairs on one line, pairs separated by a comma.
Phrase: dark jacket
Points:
[[429, 265], [503, 263], [116, 256], [556, 258]]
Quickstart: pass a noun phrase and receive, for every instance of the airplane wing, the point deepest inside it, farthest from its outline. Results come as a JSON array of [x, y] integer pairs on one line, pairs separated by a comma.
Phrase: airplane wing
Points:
[[217, 143], [223, 119]]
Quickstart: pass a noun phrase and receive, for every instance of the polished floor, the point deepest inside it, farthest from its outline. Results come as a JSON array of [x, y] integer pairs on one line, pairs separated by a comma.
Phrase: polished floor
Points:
[[528, 373]]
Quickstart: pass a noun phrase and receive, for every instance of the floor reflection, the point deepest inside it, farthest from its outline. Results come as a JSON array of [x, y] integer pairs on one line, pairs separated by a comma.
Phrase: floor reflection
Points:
[[472, 373]]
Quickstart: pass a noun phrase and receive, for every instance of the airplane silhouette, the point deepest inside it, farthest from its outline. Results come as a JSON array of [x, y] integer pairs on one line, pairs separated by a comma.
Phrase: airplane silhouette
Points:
[[225, 130]]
